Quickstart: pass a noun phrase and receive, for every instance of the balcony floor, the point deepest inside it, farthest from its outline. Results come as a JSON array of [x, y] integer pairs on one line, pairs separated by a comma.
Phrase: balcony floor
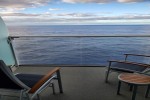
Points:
[[85, 83]]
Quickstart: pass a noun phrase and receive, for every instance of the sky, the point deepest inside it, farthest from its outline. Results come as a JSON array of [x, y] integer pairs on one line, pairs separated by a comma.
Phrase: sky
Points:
[[75, 12]]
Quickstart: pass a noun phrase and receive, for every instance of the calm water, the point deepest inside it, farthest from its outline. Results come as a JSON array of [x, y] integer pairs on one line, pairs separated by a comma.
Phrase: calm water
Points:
[[79, 50]]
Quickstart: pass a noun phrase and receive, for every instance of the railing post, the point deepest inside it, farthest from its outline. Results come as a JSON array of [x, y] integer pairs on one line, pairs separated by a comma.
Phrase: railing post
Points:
[[126, 56]]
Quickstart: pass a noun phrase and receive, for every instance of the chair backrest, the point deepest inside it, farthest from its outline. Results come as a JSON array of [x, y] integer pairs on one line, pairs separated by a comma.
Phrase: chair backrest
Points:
[[147, 71], [8, 79]]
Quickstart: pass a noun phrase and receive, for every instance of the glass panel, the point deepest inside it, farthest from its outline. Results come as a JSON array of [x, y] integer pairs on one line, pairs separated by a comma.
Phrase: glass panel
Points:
[[79, 50]]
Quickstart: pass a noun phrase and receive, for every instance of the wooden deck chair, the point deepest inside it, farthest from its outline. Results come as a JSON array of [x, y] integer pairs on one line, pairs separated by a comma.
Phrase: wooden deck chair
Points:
[[27, 83], [127, 66]]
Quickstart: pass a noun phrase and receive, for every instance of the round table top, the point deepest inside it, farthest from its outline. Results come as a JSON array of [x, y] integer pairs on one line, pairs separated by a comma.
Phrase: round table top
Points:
[[134, 78]]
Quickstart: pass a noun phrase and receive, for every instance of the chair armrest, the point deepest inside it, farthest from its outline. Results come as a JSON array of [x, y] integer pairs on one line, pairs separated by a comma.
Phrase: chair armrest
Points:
[[126, 62], [137, 55], [126, 55], [43, 80]]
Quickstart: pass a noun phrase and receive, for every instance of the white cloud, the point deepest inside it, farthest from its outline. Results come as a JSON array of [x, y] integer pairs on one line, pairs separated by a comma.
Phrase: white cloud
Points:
[[18, 14], [77, 15], [54, 9], [15, 6], [72, 18], [86, 1], [10, 10], [21, 3], [131, 0], [101, 1], [32, 3]]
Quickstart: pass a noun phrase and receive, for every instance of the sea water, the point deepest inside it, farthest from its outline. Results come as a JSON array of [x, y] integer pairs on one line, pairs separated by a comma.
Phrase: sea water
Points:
[[72, 50]]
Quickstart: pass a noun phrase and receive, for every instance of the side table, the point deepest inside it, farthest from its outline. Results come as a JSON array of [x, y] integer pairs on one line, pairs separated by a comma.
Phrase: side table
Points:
[[135, 80]]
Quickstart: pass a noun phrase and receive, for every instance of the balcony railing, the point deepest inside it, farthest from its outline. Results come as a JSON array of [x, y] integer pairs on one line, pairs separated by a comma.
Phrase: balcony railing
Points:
[[79, 50]]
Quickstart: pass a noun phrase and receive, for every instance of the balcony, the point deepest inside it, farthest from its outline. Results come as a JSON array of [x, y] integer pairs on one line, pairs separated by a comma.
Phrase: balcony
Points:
[[82, 60]]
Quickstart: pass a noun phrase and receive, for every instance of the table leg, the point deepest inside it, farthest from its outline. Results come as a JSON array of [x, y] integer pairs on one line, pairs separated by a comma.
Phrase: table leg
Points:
[[147, 92], [134, 92], [119, 85], [131, 87]]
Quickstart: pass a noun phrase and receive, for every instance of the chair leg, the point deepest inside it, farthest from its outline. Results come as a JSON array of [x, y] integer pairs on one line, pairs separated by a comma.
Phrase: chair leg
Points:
[[27, 95], [38, 97], [131, 87], [24, 93], [119, 86], [1, 97], [107, 75], [53, 87], [147, 91], [21, 95], [134, 92], [59, 81]]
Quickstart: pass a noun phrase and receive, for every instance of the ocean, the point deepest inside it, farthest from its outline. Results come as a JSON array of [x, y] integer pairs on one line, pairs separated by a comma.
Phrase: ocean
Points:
[[72, 50]]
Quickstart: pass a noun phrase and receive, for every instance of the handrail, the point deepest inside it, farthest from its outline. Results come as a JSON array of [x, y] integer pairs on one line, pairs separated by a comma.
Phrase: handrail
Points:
[[13, 37], [61, 65]]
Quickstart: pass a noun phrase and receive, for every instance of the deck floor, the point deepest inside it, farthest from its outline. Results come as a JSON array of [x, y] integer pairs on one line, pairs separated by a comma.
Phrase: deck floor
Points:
[[84, 83]]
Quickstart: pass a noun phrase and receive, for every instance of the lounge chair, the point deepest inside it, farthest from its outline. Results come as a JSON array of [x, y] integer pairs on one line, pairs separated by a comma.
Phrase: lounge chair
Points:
[[127, 66], [28, 83]]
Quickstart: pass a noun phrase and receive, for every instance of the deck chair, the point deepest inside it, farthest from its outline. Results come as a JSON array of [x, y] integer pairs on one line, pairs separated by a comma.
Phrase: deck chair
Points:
[[127, 66], [28, 84]]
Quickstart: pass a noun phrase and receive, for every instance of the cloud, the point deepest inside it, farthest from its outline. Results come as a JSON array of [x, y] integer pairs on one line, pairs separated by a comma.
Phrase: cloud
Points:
[[86, 1], [131, 0], [71, 18], [15, 6], [10, 10], [101, 1], [77, 15], [33, 3], [48, 14], [19, 14], [22, 3], [54, 9]]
